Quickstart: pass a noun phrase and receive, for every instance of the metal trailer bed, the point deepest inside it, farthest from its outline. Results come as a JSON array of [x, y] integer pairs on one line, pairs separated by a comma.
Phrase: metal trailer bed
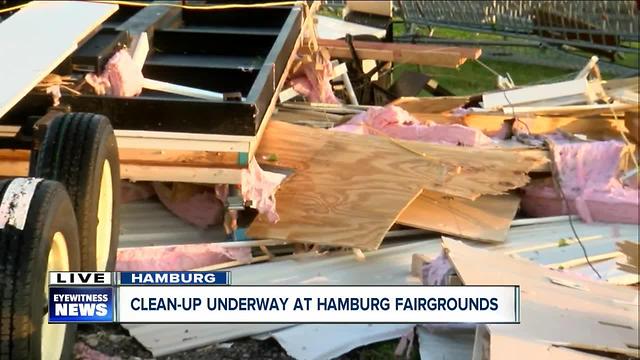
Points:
[[170, 137], [65, 215]]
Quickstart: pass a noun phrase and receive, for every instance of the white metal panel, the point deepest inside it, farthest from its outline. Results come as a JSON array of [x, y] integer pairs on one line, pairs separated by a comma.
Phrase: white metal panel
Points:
[[38, 38], [334, 340], [445, 345]]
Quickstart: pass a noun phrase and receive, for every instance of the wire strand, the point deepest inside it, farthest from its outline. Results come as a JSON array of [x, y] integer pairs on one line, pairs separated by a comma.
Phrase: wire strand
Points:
[[199, 7], [557, 182], [9, 9], [181, 6]]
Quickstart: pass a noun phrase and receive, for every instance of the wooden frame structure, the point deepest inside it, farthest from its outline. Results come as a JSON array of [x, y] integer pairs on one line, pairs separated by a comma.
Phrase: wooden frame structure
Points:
[[244, 54]]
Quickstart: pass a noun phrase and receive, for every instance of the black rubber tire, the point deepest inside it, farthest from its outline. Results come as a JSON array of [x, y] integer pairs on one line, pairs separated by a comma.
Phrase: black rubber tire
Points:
[[23, 270], [73, 152]]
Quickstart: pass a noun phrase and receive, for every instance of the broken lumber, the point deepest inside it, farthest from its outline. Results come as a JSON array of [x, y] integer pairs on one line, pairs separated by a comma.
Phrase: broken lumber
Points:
[[555, 94], [631, 121], [631, 250], [487, 218], [435, 104], [177, 158], [432, 55], [597, 127], [348, 189], [585, 314], [591, 109]]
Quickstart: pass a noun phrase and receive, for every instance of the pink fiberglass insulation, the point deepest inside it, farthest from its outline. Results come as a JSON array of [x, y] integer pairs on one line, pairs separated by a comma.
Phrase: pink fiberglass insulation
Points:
[[177, 257], [436, 271], [259, 187], [121, 77], [314, 84], [588, 177], [396, 122], [130, 191], [82, 351], [54, 91], [203, 209]]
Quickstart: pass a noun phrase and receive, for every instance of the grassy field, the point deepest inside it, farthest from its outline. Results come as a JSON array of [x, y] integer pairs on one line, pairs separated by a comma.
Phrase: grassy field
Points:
[[472, 78]]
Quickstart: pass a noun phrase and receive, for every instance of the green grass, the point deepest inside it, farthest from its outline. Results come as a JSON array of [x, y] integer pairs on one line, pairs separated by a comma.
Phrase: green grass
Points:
[[471, 77]]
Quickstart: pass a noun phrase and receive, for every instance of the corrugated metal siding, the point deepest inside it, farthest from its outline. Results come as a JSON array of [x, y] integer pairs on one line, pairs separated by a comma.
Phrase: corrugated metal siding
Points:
[[149, 223]]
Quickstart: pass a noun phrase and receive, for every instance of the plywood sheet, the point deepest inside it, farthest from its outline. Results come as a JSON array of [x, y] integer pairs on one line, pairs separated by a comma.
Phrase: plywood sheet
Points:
[[487, 218], [382, 8], [38, 38], [556, 307], [349, 189]]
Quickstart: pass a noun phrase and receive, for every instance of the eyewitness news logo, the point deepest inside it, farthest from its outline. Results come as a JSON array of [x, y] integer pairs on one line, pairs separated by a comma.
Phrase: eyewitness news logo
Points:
[[81, 304], [91, 297]]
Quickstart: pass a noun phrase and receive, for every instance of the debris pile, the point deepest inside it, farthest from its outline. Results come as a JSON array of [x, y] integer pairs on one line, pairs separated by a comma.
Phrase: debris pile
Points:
[[299, 149], [505, 171], [536, 183]]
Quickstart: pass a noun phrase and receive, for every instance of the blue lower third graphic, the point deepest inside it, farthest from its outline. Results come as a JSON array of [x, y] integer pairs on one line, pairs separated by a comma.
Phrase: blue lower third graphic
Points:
[[81, 304]]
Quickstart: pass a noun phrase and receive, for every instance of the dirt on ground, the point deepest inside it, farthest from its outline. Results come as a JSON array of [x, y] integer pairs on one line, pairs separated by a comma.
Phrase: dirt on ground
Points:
[[112, 342]]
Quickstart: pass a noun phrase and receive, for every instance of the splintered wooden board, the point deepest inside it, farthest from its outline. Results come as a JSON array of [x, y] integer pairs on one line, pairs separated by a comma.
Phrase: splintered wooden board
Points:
[[487, 218], [556, 307], [348, 189], [419, 54], [630, 249], [432, 105], [38, 38]]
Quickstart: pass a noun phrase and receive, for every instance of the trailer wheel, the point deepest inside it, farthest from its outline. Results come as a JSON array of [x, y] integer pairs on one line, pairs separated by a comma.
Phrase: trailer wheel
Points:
[[80, 151], [37, 235]]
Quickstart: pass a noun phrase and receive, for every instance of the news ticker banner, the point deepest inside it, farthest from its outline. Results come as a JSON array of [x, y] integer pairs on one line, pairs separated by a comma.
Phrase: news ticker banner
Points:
[[209, 297]]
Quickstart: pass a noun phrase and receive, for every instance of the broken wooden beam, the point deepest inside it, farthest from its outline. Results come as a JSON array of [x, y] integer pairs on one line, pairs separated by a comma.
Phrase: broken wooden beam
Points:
[[631, 250], [432, 55]]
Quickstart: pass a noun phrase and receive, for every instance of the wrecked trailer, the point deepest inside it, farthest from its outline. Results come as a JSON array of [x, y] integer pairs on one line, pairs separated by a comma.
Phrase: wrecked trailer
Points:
[[208, 94]]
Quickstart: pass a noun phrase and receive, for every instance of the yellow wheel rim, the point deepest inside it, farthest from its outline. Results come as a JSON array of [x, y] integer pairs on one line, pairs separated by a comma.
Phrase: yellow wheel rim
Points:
[[52, 340], [105, 213]]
